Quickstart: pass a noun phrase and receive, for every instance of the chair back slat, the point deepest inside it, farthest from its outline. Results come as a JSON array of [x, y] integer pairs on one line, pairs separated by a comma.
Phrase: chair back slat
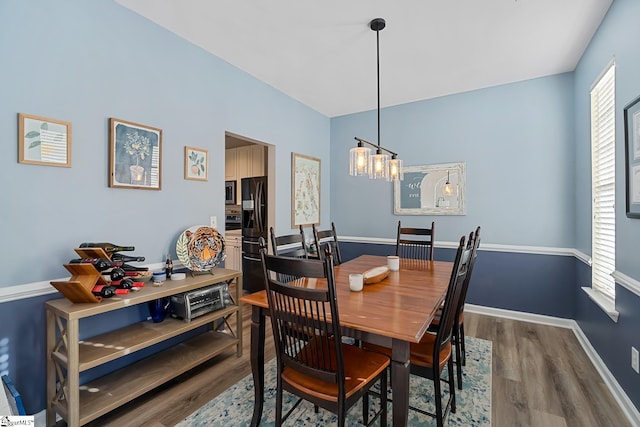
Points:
[[324, 238], [305, 320], [454, 292], [474, 242], [415, 243]]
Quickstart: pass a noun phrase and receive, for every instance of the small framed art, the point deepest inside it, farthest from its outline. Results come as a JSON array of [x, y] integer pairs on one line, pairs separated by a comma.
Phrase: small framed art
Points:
[[43, 141], [196, 164]]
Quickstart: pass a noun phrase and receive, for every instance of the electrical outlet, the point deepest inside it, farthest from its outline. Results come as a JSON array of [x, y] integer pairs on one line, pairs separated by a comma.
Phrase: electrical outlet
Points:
[[635, 360], [213, 221]]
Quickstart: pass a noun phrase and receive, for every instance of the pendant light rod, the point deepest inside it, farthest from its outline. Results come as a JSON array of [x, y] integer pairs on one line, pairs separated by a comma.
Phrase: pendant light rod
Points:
[[364, 141], [378, 25]]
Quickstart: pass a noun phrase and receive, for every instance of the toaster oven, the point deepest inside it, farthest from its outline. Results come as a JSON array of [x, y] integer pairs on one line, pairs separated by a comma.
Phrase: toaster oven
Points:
[[192, 304]]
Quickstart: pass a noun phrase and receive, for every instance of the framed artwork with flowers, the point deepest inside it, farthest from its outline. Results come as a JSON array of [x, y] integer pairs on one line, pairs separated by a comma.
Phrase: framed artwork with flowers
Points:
[[196, 164], [135, 155]]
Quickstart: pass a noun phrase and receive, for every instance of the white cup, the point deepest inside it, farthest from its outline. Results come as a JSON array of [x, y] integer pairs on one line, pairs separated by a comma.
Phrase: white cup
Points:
[[393, 262], [356, 281]]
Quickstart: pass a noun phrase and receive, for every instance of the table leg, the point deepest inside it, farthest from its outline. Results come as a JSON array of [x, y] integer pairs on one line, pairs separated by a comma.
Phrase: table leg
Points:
[[257, 362], [400, 371]]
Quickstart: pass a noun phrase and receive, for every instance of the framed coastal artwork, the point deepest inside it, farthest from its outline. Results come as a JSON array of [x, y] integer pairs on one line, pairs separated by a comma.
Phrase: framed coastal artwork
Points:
[[305, 190], [437, 189], [135, 155], [43, 141]]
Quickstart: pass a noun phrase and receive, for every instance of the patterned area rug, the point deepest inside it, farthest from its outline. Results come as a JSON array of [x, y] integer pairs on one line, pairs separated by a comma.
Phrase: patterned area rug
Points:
[[234, 407]]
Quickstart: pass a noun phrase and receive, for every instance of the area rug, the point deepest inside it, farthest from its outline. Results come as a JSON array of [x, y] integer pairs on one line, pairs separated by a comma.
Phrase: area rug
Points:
[[234, 407]]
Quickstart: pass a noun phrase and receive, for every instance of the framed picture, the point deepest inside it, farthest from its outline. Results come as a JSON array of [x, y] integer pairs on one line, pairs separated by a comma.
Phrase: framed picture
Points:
[[43, 141], [431, 190], [134, 155], [305, 190], [632, 157], [196, 164]]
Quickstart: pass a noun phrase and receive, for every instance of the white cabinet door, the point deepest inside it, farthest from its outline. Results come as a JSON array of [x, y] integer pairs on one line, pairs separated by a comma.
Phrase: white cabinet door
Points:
[[230, 160]]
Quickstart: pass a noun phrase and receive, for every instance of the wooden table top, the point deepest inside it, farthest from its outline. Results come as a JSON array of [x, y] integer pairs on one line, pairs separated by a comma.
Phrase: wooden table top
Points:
[[401, 306]]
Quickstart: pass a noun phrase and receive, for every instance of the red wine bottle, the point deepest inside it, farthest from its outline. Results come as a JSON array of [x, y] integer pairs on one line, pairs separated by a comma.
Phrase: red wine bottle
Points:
[[100, 264], [115, 274], [105, 291], [127, 258], [126, 283], [108, 247]]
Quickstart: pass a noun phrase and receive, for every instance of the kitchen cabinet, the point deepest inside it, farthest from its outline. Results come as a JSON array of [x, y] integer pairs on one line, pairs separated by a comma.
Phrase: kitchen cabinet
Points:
[[68, 356], [230, 161], [244, 162], [234, 251]]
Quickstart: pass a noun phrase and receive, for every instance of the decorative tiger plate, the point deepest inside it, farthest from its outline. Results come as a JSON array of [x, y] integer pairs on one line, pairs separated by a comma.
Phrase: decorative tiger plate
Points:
[[200, 248]]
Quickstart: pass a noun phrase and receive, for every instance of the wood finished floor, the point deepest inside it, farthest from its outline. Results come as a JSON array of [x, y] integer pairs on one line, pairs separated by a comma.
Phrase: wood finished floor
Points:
[[541, 377]]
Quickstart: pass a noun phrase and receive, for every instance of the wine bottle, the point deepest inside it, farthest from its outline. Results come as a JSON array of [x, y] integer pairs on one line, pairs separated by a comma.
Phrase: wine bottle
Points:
[[126, 283], [100, 264], [108, 247], [115, 274], [168, 268], [106, 291], [127, 258]]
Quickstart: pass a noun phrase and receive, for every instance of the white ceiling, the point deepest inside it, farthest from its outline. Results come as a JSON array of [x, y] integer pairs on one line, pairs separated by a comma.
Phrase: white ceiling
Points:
[[323, 53]]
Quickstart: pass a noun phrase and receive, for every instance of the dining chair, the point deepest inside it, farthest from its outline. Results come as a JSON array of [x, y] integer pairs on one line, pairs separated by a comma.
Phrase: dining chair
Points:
[[290, 245], [323, 238], [458, 327], [312, 361], [415, 243], [429, 357]]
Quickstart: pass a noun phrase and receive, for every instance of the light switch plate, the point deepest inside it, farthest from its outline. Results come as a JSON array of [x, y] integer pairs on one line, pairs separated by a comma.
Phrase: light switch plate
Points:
[[213, 221], [635, 362]]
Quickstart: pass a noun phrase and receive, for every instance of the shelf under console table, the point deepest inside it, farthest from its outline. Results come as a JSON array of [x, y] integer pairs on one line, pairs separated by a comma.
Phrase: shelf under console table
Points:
[[67, 356]]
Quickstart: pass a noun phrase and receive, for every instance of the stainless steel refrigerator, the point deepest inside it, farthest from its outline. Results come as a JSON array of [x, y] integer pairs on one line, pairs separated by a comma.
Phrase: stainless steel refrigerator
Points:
[[254, 226]]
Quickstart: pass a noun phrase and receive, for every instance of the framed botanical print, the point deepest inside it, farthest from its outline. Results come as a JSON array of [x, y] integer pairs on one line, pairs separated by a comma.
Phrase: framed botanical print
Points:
[[196, 164], [43, 141], [135, 154], [305, 190]]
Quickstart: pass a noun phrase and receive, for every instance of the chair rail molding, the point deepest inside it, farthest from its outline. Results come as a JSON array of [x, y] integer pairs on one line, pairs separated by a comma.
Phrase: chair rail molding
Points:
[[628, 282]]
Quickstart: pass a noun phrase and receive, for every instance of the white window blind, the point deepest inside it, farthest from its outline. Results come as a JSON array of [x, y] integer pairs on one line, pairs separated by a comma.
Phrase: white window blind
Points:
[[603, 234]]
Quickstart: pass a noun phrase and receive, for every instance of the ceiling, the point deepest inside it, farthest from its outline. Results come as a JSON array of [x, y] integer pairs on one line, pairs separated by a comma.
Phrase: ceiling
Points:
[[323, 54]]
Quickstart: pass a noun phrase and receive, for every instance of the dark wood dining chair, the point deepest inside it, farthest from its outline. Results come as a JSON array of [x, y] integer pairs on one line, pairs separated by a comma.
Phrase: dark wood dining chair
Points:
[[323, 238], [415, 243], [429, 357], [312, 361], [290, 245], [458, 327]]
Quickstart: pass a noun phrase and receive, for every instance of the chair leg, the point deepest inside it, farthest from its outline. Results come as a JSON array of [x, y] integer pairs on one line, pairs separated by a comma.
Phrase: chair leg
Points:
[[452, 387], [383, 399], [279, 404], [464, 350], [437, 396], [458, 349], [365, 408]]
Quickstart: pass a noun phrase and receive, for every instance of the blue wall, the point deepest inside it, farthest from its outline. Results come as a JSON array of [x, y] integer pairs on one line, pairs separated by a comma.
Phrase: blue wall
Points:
[[617, 37], [84, 62], [526, 146]]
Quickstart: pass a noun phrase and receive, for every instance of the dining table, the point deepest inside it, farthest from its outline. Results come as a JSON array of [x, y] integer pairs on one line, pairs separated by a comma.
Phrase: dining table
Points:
[[393, 312]]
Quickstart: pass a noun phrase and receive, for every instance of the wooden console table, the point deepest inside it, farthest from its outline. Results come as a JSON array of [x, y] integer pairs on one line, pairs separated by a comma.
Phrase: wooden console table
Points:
[[67, 356]]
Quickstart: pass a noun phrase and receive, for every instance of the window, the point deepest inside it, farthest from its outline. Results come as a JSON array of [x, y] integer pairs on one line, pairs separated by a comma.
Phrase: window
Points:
[[603, 240]]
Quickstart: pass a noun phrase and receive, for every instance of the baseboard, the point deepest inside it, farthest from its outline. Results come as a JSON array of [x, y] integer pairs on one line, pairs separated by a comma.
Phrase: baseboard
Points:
[[619, 394]]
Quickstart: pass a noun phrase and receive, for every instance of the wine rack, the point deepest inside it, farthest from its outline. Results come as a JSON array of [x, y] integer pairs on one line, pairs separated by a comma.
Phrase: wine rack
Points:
[[68, 356], [83, 278]]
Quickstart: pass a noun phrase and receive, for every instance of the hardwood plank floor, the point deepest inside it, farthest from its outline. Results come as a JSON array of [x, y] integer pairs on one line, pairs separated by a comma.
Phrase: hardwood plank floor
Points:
[[541, 377]]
